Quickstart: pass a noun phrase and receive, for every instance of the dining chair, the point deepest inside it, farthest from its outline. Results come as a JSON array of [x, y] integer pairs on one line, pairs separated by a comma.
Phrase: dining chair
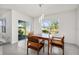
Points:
[[58, 42], [33, 43]]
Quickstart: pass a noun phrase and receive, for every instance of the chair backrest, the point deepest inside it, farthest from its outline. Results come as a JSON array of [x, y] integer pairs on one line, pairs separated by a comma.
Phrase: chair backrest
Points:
[[59, 39], [30, 34], [32, 39], [62, 39]]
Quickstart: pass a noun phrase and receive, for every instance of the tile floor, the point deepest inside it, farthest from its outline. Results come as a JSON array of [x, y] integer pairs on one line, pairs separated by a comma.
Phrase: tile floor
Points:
[[21, 49]]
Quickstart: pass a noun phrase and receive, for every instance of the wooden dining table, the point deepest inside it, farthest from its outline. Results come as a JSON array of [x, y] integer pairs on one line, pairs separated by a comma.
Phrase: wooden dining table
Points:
[[45, 38]]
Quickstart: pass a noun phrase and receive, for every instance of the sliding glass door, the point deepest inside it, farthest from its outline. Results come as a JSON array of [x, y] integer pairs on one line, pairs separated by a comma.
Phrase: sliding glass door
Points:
[[23, 29]]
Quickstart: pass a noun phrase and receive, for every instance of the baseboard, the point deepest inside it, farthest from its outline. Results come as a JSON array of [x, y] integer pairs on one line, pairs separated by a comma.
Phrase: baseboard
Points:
[[4, 43], [72, 44]]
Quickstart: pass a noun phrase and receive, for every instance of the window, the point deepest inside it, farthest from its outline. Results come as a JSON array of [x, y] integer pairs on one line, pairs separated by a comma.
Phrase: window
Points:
[[3, 25], [50, 26]]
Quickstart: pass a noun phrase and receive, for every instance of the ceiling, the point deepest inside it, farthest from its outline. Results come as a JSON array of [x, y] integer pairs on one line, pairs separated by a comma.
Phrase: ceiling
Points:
[[34, 10]]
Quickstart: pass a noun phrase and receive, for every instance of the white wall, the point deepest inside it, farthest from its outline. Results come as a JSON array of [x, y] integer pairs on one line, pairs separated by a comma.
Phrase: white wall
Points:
[[15, 17], [77, 31], [37, 26], [8, 17], [66, 25]]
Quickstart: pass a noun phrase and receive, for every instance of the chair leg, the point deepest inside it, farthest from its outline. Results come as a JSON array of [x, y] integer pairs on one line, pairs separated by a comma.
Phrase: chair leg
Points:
[[27, 50], [37, 52], [43, 49], [63, 50], [27, 47], [51, 49]]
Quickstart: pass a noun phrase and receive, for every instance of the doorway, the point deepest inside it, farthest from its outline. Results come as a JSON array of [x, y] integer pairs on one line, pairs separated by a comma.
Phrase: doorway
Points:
[[24, 28], [21, 30]]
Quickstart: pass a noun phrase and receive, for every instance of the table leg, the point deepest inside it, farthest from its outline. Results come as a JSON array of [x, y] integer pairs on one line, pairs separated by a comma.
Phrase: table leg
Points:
[[48, 47]]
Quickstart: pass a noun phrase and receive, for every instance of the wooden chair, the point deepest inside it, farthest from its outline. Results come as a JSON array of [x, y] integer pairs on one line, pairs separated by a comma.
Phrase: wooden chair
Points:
[[58, 43], [33, 43]]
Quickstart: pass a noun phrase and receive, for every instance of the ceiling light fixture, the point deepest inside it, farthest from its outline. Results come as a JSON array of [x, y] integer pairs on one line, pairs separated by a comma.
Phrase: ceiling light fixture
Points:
[[42, 13]]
